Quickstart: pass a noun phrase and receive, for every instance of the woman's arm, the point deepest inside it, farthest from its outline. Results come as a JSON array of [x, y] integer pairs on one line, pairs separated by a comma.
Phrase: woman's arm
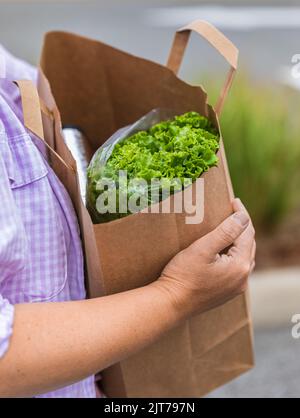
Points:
[[56, 344]]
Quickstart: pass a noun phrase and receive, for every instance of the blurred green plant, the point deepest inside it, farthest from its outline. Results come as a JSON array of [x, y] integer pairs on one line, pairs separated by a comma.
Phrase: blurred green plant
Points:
[[261, 130]]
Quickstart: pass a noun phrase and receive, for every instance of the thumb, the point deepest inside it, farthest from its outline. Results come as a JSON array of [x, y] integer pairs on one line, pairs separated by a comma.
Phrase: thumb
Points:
[[225, 234]]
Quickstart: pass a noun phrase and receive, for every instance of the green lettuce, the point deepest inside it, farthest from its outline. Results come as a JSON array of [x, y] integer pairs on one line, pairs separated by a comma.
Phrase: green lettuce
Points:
[[178, 149]]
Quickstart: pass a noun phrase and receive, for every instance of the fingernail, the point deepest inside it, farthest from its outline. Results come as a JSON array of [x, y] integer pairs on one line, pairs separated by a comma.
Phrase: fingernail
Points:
[[241, 217]]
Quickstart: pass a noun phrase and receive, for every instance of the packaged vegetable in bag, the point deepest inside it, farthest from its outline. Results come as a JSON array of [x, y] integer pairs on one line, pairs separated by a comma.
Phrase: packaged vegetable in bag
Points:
[[142, 164]]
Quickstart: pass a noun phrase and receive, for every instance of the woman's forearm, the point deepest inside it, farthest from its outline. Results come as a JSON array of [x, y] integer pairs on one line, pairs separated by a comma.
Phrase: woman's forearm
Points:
[[57, 344]]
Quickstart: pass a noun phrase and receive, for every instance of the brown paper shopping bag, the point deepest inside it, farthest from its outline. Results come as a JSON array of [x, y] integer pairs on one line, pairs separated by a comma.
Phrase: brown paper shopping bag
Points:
[[101, 89]]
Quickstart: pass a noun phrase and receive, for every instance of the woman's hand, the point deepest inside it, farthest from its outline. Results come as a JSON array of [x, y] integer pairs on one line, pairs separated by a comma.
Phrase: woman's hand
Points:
[[203, 276]]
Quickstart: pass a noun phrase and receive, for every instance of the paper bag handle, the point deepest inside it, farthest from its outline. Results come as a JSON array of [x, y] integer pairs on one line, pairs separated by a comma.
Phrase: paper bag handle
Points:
[[33, 107], [219, 41]]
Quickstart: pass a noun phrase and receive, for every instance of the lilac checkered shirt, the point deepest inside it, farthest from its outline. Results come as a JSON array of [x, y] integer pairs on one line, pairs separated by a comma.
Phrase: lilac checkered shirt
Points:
[[40, 249]]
